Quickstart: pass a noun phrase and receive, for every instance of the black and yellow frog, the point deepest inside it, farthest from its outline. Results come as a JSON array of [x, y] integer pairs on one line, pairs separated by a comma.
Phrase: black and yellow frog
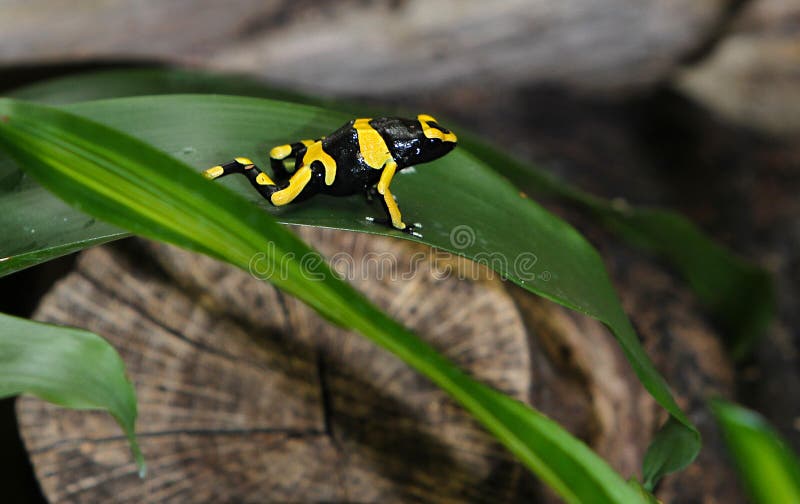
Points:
[[360, 157]]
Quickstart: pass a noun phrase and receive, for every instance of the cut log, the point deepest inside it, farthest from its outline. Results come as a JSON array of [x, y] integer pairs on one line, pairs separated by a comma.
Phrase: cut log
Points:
[[246, 395]]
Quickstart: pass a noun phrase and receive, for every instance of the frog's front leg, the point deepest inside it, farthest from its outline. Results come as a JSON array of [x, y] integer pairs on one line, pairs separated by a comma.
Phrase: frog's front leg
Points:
[[388, 201]]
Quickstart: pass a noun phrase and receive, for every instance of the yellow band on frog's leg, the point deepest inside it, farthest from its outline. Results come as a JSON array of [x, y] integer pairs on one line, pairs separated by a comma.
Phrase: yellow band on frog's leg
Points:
[[386, 176], [238, 165], [288, 150], [214, 172], [383, 188], [315, 152], [296, 185], [281, 151], [263, 179], [394, 210]]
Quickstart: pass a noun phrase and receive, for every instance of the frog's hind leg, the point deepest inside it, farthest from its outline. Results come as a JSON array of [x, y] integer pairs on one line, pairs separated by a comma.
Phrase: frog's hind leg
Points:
[[258, 179], [278, 194], [298, 181], [282, 153], [238, 165]]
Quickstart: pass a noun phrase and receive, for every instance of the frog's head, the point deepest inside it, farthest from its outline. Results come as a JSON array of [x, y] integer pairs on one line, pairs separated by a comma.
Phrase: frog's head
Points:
[[436, 141]]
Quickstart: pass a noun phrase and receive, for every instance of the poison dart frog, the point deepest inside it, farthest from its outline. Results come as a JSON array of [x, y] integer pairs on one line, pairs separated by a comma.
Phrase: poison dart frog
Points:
[[360, 157]]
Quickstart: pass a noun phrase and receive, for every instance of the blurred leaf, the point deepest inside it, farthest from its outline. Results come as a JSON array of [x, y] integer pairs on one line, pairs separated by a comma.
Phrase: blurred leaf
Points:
[[127, 182], [662, 458], [68, 367], [647, 496], [769, 469]]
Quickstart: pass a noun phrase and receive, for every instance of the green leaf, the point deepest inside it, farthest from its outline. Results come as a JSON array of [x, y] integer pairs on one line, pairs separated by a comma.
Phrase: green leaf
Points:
[[68, 367], [466, 208], [769, 469], [740, 295], [673, 447], [125, 181]]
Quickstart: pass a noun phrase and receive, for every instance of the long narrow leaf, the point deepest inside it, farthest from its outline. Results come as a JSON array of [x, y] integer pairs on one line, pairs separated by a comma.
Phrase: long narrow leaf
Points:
[[466, 208], [68, 367], [130, 184], [769, 469]]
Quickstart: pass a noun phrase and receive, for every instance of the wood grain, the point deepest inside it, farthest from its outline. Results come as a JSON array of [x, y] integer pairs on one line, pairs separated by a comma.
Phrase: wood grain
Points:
[[246, 395]]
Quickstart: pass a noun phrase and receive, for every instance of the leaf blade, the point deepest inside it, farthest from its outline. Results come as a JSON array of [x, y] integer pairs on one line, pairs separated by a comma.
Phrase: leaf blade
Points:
[[152, 194], [770, 471], [68, 367]]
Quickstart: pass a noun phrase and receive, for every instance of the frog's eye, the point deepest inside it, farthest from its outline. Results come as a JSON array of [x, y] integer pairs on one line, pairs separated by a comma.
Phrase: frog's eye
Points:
[[438, 128], [432, 130]]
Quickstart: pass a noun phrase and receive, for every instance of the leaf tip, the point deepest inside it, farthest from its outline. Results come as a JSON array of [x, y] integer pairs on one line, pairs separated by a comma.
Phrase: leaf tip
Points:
[[139, 458]]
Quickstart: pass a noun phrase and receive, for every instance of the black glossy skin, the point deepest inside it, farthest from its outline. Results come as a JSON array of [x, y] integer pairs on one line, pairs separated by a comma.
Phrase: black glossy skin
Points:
[[408, 143], [405, 139]]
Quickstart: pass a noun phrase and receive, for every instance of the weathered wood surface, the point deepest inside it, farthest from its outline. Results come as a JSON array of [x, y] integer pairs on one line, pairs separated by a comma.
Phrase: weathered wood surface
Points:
[[245, 395], [353, 47]]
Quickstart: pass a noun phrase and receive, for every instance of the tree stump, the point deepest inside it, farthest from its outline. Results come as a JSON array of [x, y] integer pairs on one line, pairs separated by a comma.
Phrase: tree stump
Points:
[[246, 395]]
